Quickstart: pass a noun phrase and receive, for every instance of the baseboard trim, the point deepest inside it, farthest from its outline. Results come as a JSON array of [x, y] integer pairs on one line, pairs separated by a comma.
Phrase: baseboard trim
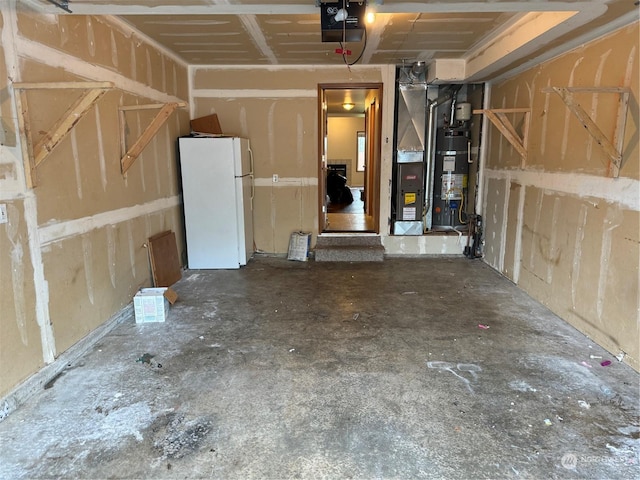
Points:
[[36, 382]]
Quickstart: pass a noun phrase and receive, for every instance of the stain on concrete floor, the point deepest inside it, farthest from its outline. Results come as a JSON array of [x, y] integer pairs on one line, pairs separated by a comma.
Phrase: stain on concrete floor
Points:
[[303, 370]]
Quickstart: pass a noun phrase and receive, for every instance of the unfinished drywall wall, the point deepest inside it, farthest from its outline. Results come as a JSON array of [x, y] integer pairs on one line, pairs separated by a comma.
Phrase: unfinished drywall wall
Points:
[[279, 115], [342, 146], [556, 223], [72, 253], [20, 347], [20, 344]]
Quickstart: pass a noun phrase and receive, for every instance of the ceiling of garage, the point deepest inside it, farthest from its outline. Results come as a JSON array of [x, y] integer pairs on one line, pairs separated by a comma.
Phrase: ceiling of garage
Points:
[[489, 37]]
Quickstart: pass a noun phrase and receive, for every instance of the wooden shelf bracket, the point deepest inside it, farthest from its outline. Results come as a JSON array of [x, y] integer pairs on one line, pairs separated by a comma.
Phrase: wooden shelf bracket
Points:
[[129, 156], [35, 155], [498, 116], [613, 148]]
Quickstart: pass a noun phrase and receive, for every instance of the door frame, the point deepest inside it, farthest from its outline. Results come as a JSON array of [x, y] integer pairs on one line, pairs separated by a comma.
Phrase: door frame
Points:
[[373, 129]]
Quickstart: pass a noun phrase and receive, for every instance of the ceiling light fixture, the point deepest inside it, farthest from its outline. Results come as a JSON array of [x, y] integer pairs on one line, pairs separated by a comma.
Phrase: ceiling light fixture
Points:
[[348, 106], [370, 17]]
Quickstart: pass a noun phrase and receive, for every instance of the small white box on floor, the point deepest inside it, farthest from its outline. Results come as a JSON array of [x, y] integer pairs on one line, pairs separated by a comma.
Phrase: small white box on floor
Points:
[[151, 305]]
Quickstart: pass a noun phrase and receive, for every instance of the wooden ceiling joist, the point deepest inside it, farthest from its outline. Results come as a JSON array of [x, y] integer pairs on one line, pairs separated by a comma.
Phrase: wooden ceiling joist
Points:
[[129, 156], [498, 116], [613, 148], [35, 155]]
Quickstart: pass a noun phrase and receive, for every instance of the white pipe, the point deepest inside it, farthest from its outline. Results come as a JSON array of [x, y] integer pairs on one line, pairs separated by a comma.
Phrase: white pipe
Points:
[[430, 153], [430, 156], [428, 194]]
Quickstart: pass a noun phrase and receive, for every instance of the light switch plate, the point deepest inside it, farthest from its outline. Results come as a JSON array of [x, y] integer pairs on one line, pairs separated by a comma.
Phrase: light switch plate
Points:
[[3, 213]]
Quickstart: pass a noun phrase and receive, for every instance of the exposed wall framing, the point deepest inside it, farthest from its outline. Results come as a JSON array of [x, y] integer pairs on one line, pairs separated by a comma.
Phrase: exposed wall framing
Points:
[[613, 148], [129, 156], [35, 155], [498, 117]]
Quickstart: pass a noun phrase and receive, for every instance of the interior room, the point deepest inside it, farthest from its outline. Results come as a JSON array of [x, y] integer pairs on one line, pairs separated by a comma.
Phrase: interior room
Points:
[[401, 172], [347, 160]]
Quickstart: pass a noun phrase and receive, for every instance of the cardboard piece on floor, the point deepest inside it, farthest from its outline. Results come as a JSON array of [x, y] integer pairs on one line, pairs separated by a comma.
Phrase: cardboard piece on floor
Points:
[[165, 265], [170, 295]]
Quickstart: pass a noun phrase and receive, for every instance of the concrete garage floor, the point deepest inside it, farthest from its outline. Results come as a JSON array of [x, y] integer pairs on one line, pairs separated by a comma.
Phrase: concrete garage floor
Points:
[[320, 370]]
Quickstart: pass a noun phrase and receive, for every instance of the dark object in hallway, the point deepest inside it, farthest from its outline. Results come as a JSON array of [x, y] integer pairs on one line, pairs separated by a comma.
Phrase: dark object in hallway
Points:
[[338, 190], [355, 207]]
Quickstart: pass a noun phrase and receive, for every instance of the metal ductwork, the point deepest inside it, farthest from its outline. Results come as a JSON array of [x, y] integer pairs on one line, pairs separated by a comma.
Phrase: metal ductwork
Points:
[[411, 106]]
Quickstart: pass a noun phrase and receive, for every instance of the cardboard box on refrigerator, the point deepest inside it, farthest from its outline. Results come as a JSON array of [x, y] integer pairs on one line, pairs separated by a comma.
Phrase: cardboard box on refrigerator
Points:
[[207, 124], [152, 304]]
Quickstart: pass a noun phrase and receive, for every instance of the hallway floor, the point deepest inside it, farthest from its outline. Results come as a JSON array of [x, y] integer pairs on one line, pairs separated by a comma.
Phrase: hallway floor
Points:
[[349, 222], [351, 217], [409, 368]]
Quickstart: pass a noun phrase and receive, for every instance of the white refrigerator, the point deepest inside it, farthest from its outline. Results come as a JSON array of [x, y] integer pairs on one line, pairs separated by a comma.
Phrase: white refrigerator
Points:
[[217, 193]]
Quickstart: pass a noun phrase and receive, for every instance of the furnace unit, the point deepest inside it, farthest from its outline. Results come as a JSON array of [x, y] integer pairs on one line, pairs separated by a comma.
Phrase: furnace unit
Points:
[[409, 161], [410, 196]]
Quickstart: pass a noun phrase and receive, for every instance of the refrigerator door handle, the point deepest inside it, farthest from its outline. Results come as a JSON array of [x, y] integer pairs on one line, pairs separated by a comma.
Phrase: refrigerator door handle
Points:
[[253, 187], [250, 159]]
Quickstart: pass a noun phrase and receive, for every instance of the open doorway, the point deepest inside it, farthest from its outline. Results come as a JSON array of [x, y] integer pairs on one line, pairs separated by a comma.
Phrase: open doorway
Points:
[[349, 171]]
